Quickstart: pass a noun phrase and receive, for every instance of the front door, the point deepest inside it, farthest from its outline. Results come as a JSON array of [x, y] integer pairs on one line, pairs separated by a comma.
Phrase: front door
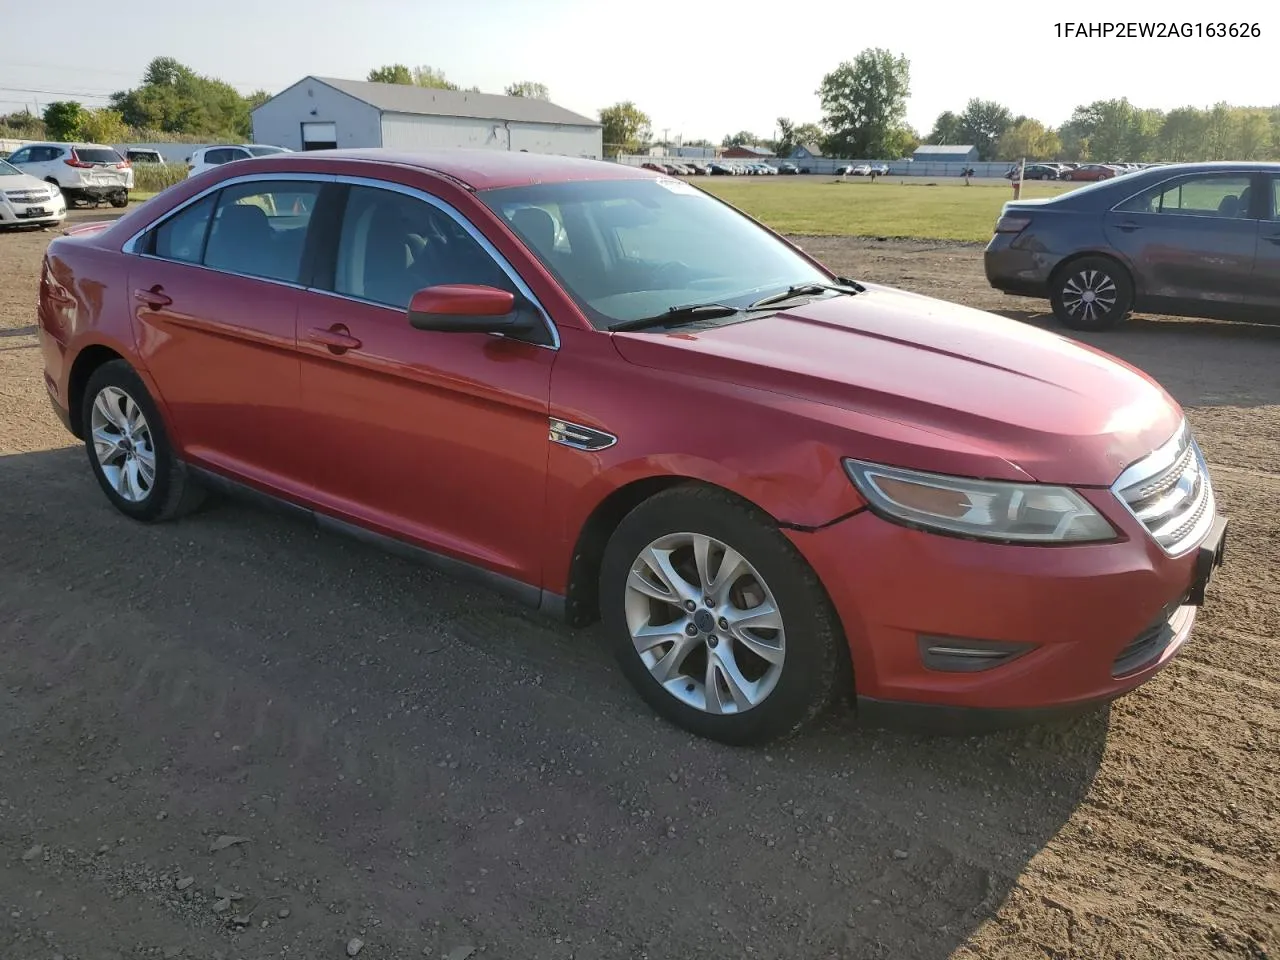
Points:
[[215, 297], [1192, 242], [441, 438]]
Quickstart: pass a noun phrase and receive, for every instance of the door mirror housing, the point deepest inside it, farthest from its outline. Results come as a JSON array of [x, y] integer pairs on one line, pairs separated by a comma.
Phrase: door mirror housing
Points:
[[470, 308]]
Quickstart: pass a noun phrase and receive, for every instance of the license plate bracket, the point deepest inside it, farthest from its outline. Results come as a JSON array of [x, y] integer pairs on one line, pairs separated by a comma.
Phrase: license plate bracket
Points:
[[1208, 558]]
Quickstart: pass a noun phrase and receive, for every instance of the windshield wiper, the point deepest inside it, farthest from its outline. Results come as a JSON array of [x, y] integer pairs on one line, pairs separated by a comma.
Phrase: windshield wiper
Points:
[[688, 313], [844, 285]]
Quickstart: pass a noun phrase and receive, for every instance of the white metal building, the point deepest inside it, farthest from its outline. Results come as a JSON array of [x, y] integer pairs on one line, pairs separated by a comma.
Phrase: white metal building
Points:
[[320, 113]]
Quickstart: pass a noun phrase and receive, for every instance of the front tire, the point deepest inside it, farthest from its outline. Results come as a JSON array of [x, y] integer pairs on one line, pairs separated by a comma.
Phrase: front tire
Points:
[[716, 619], [1091, 294], [129, 449]]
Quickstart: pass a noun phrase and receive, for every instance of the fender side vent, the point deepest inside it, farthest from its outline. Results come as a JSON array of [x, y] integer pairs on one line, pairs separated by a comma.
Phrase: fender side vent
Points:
[[578, 437]]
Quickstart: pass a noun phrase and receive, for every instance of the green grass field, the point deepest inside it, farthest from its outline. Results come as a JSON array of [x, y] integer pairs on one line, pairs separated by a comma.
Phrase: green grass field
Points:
[[925, 207]]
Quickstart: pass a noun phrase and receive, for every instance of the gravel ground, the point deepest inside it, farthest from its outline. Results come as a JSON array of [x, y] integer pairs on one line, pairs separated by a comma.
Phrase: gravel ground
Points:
[[234, 737]]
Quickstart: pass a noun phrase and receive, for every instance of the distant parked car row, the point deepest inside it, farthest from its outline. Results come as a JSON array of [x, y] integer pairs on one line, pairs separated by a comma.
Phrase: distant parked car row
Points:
[[719, 168], [1084, 172], [863, 170]]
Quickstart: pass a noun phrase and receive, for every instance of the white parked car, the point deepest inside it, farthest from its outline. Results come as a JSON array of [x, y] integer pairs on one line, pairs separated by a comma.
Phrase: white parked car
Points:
[[82, 171], [215, 156], [25, 199]]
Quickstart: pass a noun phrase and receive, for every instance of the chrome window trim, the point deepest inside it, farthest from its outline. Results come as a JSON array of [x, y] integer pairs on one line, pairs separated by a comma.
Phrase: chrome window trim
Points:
[[1249, 174], [130, 245], [1158, 462]]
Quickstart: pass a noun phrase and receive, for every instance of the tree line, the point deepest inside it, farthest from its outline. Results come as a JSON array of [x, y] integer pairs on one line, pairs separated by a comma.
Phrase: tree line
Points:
[[863, 115]]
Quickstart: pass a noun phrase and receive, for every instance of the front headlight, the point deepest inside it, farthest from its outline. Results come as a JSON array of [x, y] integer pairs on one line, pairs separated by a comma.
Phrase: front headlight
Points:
[[54, 189], [983, 509]]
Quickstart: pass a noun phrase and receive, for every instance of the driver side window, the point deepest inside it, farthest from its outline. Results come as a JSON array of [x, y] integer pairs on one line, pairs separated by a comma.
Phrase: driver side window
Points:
[[392, 245], [22, 156]]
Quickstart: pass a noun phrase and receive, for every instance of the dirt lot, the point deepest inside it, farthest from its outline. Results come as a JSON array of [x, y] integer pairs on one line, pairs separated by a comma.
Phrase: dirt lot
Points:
[[425, 768]]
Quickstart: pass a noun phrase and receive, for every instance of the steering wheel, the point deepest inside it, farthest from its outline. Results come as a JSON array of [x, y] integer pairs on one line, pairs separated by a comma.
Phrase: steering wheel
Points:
[[674, 272]]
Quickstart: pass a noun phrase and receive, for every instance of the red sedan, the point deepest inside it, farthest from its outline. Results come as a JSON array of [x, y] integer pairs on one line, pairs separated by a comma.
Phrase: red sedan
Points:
[[614, 396]]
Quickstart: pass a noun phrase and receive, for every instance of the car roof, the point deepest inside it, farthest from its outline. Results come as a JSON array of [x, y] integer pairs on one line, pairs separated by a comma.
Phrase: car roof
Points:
[[70, 145], [479, 169]]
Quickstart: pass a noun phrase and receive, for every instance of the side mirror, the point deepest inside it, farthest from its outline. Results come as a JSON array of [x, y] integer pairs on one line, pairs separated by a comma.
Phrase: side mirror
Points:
[[468, 308]]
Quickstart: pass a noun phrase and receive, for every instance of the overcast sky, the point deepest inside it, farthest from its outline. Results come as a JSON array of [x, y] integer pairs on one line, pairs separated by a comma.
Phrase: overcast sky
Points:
[[698, 69]]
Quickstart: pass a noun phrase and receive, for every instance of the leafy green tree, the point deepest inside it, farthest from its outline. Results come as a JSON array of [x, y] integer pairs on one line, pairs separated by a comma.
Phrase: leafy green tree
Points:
[[1181, 135], [864, 103], [1030, 139], [425, 76], [526, 88], [982, 124], [392, 73], [174, 99], [626, 128], [104, 126], [786, 141], [743, 138], [809, 133], [947, 129], [63, 119]]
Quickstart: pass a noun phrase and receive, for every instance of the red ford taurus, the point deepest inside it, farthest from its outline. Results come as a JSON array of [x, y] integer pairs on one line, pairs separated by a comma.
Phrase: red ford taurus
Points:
[[614, 396]]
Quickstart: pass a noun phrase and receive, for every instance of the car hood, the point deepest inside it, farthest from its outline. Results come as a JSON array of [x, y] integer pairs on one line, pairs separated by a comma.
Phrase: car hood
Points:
[[22, 182], [933, 385]]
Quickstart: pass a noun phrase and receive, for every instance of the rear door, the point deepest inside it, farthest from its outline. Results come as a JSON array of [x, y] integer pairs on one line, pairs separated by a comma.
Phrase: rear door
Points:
[[1266, 267], [215, 290], [1192, 241]]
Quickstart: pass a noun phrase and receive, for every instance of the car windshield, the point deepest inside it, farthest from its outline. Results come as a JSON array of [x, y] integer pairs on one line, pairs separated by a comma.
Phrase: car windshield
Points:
[[265, 151], [9, 170], [635, 248], [97, 155]]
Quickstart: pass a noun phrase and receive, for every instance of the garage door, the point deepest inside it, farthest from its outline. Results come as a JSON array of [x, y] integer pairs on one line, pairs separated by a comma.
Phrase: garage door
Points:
[[319, 136]]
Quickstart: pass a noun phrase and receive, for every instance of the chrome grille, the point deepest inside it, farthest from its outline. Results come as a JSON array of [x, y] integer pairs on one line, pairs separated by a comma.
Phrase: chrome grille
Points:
[[1170, 493], [28, 196]]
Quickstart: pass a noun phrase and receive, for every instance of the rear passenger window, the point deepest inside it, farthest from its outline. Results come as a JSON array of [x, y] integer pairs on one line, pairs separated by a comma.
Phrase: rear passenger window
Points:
[[252, 229], [259, 229], [1208, 196]]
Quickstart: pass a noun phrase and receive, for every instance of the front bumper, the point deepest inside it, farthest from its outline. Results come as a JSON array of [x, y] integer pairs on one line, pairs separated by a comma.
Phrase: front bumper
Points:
[[15, 212], [1082, 624]]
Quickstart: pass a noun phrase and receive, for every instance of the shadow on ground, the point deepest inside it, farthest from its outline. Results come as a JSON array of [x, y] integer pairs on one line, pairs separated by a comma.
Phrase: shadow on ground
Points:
[[1188, 357], [412, 757]]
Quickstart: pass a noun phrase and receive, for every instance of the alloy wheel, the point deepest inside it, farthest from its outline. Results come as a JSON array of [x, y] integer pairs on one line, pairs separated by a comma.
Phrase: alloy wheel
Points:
[[1090, 295], [123, 444], [704, 623]]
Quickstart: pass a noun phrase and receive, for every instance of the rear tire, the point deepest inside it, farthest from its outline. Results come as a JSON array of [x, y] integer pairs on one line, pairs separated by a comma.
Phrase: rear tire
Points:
[[120, 199], [1091, 294], [769, 644], [129, 449]]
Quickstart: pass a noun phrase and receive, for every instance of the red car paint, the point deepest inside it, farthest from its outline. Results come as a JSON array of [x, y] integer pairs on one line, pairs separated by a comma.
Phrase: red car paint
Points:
[[767, 409]]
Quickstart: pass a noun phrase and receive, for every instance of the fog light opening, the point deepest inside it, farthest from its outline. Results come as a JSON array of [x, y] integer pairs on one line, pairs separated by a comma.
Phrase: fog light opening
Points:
[[965, 655]]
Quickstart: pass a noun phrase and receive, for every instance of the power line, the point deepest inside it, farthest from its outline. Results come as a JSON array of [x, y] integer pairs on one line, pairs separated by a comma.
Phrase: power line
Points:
[[56, 93]]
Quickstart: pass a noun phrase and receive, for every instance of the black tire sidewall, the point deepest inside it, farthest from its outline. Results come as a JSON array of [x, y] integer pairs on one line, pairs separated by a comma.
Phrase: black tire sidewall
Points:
[[119, 374], [1124, 293], [814, 662]]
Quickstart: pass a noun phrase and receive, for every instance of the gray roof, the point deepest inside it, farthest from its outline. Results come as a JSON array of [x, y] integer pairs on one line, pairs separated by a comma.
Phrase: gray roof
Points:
[[944, 148], [430, 102], [813, 149]]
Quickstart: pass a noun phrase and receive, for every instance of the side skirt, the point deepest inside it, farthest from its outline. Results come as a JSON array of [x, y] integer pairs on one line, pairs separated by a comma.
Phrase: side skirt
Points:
[[526, 594]]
